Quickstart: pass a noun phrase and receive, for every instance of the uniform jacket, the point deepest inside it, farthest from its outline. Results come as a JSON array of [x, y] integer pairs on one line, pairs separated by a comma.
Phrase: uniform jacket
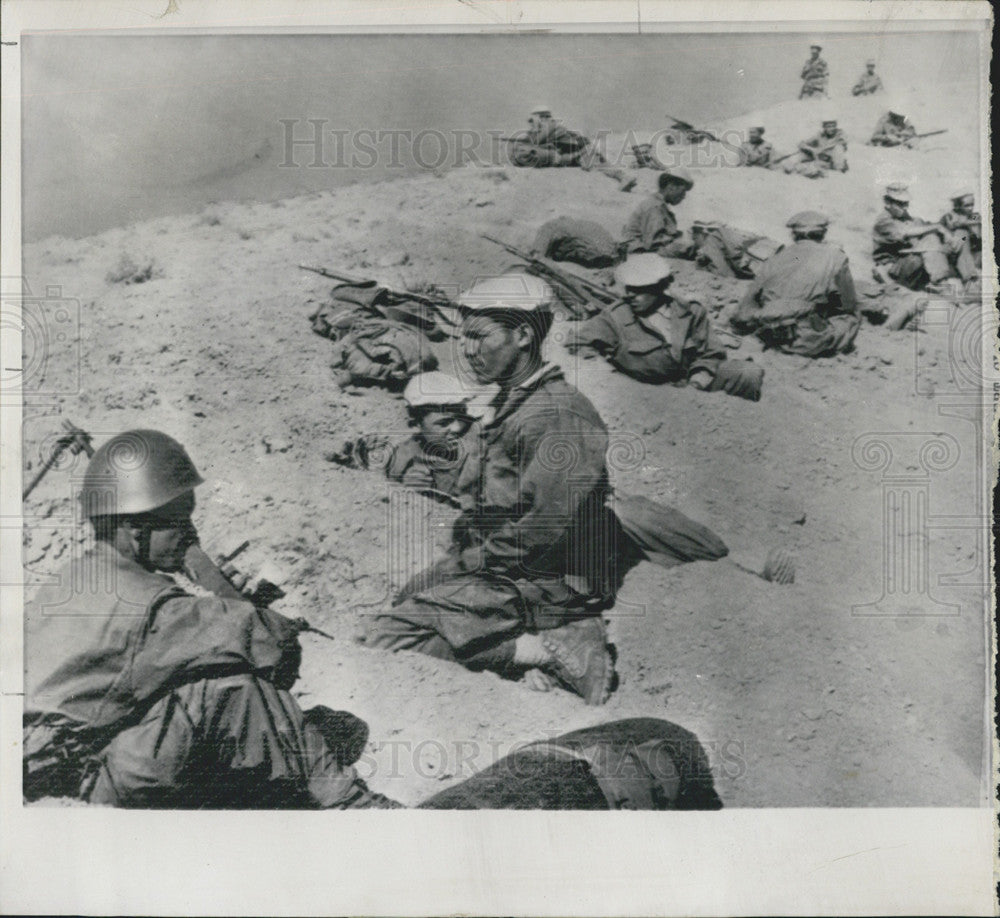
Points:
[[651, 225], [815, 73], [540, 504], [109, 637], [755, 154], [453, 475], [821, 144], [887, 130], [867, 84], [803, 279], [635, 346]]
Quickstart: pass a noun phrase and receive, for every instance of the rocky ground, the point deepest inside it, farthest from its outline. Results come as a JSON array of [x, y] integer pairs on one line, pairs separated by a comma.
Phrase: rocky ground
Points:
[[801, 697]]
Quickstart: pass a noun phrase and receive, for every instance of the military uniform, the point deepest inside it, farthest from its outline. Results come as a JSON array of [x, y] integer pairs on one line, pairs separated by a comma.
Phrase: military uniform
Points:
[[826, 153], [802, 301], [911, 261], [532, 554], [652, 227], [967, 234], [893, 132], [815, 75], [868, 84], [756, 154], [141, 695]]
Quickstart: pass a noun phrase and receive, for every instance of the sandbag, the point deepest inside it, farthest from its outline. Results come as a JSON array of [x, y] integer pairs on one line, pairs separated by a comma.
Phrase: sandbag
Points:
[[582, 242], [637, 763], [664, 535]]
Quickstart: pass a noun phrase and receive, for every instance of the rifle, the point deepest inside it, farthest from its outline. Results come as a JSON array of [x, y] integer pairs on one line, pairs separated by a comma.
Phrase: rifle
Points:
[[75, 440], [684, 126], [774, 162], [930, 133], [582, 290], [437, 305]]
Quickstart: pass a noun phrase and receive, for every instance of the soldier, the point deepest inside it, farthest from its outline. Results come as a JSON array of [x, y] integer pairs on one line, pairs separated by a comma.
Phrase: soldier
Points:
[[893, 130], [815, 74], [756, 151], [655, 337], [141, 695], [966, 227], [917, 254], [548, 143], [522, 587], [803, 300], [869, 82], [653, 226], [823, 152]]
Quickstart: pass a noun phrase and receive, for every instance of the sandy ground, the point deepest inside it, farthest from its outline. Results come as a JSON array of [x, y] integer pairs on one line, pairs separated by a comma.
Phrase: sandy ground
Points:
[[800, 697]]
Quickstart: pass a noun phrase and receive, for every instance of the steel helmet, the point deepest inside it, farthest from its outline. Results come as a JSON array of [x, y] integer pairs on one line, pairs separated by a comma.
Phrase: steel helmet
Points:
[[135, 472]]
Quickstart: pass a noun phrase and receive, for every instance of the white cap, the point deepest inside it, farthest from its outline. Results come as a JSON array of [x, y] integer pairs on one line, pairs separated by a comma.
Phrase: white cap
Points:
[[435, 388], [541, 110], [645, 269], [520, 292]]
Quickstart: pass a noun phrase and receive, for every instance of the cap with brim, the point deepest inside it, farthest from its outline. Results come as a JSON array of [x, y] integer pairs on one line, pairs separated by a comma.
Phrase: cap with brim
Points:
[[514, 292], [894, 114], [870, 62], [817, 47], [808, 220], [962, 195], [435, 388], [898, 192], [643, 270], [541, 110], [758, 129], [827, 121], [680, 174]]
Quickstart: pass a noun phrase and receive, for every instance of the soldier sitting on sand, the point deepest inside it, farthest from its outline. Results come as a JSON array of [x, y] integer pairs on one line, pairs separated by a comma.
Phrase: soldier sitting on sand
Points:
[[803, 300], [548, 143], [966, 227], [528, 573], [652, 227], [869, 82], [823, 152], [917, 254], [756, 151], [893, 130], [656, 337]]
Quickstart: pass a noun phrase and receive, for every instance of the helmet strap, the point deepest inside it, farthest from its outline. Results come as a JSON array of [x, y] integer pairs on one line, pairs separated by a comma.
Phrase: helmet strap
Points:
[[145, 534]]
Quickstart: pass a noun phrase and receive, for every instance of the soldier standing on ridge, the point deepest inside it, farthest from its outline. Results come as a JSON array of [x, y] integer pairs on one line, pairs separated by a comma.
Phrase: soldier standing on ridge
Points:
[[869, 82], [815, 74]]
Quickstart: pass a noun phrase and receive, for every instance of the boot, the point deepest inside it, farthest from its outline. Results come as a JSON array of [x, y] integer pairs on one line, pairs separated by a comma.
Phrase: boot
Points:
[[580, 659]]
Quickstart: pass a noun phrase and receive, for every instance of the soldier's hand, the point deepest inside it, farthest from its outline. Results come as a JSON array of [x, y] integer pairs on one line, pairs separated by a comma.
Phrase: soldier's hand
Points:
[[236, 577], [418, 476]]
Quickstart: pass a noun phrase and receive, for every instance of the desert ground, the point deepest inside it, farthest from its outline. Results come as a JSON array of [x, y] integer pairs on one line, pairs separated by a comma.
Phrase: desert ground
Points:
[[800, 695]]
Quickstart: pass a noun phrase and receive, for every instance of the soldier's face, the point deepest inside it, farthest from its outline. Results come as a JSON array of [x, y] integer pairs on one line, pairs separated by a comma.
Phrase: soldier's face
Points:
[[829, 128], [965, 207], [442, 428], [871, 68], [674, 192], [815, 52], [171, 533], [896, 208], [644, 300], [756, 137], [492, 347]]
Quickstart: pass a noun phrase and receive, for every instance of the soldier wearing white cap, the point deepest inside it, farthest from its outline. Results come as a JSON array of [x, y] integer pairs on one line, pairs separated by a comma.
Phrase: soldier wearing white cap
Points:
[[893, 129], [653, 226], [869, 82], [822, 152], [802, 300], [915, 253], [521, 589], [755, 150], [656, 337], [815, 74], [548, 143]]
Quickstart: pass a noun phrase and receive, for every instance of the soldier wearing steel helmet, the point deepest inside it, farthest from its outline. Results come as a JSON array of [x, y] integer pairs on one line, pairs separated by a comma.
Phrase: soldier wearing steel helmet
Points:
[[139, 694], [802, 300], [656, 337], [528, 572]]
